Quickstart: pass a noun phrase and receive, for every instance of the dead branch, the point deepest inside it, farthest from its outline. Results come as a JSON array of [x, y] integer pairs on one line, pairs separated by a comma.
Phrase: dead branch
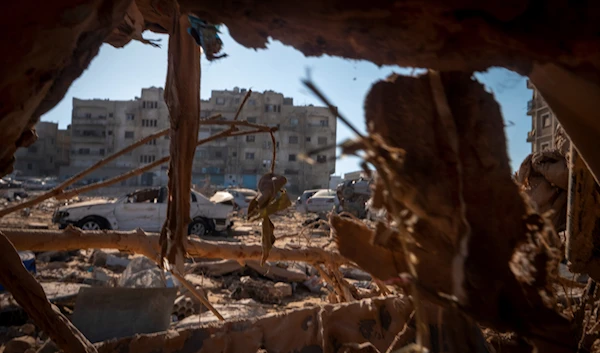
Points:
[[274, 157], [182, 95], [31, 297], [237, 114], [226, 133], [60, 188], [146, 244], [197, 294]]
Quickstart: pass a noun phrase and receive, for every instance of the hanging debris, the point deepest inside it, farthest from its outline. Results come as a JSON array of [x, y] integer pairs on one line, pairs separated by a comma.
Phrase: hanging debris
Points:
[[206, 35]]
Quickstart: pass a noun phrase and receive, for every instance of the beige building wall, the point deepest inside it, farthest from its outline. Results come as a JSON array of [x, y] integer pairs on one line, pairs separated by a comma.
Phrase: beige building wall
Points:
[[543, 122], [44, 157], [102, 127]]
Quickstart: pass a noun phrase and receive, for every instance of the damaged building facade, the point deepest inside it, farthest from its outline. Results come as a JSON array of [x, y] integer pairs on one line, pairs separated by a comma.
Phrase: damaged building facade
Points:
[[543, 122], [101, 127], [242, 160], [47, 154]]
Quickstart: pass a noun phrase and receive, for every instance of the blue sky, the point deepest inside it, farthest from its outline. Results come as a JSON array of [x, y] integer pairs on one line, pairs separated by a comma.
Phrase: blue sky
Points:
[[121, 73]]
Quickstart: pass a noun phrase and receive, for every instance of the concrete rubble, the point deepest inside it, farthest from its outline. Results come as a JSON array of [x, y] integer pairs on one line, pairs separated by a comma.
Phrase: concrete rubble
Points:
[[237, 290]]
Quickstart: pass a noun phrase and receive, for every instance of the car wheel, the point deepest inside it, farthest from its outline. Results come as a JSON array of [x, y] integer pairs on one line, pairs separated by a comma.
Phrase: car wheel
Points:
[[92, 223], [198, 228]]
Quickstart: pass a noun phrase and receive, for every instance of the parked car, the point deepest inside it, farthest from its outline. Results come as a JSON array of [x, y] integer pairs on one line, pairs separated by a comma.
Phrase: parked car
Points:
[[323, 201], [301, 201], [145, 209], [241, 197], [35, 184], [9, 189]]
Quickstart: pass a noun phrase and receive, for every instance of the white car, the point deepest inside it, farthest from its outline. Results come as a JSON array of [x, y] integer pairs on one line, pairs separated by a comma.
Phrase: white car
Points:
[[301, 201], [322, 201], [241, 197], [145, 209]]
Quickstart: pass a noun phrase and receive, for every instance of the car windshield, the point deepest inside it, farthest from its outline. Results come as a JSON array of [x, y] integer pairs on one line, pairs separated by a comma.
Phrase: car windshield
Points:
[[324, 193]]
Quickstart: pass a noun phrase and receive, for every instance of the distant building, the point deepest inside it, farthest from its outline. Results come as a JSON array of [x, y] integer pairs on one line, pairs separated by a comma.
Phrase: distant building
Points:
[[334, 180], [242, 160], [355, 175], [102, 127], [46, 155], [543, 122]]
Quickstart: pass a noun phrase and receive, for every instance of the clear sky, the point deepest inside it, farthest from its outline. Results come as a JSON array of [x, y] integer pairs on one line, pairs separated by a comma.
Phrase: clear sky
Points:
[[120, 74]]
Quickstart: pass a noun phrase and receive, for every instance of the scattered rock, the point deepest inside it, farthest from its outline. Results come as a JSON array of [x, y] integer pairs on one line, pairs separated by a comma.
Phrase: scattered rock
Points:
[[113, 261], [260, 290], [355, 273], [241, 310], [283, 289], [98, 258], [50, 256], [314, 284], [27, 329], [19, 344], [144, 273], [101, 275], [33, 225], [55, 265]]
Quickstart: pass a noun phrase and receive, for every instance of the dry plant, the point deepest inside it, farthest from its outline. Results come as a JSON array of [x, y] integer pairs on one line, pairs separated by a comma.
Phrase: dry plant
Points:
[[381, 156]]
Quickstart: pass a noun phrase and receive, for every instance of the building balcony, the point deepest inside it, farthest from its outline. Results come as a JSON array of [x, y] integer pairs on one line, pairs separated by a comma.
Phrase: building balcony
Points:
[[88, 139], [80, 120], [530, 106], [530, 136]]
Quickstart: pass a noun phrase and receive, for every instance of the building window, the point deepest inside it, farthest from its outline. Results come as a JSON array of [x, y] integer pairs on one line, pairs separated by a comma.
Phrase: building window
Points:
[[249, 155], [293, 139], [128, 134], [88, 115], [324, 122], [294, 122], [321, 158], [218, 154], [84, 151], [251, 119], [110, 115], [151, 143], [546, 121], [251, 102], [237, 101], [322, 141], [308, 139], [292, 158], [51, 160], [130, 117], [29, 166], [220, 101], [545, 146], [234, 154], [167, 137], [109, 132], [270, 108], [147, 158], [101, 151], [32, 149], [250, 138]]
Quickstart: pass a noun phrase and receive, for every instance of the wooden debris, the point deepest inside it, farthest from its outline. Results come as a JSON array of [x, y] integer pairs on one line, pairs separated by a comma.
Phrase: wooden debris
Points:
[[30, 295], [182, 95]]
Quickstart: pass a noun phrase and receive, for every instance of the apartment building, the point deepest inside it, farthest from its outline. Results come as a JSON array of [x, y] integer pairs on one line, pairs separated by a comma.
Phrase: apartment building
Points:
[[242, 160], [543, 122], [46, 155], [101, 127]]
